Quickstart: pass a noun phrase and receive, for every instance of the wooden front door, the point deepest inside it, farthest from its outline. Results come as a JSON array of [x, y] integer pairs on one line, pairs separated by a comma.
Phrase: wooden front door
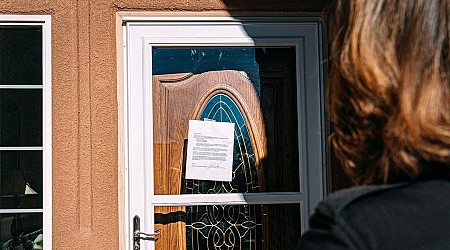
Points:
[[265, 153]]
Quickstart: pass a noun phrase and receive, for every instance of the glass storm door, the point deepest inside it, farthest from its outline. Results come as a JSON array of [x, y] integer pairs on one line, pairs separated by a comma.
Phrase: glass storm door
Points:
[[255, 77]]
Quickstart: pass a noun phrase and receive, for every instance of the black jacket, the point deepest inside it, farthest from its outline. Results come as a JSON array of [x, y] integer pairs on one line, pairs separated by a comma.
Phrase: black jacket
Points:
[[413, 215]]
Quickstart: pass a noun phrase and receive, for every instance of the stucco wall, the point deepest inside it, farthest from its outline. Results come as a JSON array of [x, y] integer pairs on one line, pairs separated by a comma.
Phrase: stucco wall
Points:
[[85, 106]]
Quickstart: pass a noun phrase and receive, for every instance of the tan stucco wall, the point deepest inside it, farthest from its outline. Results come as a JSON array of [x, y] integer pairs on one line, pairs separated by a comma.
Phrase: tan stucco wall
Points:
[[85, 106]]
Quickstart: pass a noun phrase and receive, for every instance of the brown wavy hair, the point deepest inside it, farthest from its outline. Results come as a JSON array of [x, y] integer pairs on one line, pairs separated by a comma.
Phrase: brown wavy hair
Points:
[[389, 95]]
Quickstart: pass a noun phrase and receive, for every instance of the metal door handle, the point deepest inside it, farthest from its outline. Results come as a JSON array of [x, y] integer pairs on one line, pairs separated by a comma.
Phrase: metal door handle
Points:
[[146, 236], [138, 235]]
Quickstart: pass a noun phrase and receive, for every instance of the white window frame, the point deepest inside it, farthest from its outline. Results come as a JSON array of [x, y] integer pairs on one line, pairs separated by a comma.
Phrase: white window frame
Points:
[[204, 31], [45, 22]]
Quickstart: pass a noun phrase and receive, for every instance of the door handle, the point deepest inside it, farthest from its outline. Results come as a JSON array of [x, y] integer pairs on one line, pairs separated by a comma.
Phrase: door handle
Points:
[[138, 235]]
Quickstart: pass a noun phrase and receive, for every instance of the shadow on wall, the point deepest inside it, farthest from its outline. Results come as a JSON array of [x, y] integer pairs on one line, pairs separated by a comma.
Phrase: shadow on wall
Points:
[[337, 179], [277, 5]]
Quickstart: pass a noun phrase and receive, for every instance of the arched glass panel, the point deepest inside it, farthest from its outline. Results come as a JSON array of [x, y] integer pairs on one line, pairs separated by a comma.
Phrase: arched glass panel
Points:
[[226, 226]]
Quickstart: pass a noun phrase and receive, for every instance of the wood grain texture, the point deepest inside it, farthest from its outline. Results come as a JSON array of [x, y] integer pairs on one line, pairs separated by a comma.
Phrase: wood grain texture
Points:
[[177, 99], [270, 113]]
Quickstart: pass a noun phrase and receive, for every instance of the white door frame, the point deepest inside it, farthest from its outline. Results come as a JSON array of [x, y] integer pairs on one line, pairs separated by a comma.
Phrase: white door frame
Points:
[[141, 33]]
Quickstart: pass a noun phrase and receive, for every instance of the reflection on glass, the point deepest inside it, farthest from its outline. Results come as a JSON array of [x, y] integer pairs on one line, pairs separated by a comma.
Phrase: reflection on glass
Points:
[[271, 73], [228, 227], [254, 88], [21, 126], [20, 55], [199, 60], [20, 117], [21, 179], [21, 231]]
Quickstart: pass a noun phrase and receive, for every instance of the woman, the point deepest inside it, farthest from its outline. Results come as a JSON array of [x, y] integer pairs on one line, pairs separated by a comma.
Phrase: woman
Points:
[[390, 110]]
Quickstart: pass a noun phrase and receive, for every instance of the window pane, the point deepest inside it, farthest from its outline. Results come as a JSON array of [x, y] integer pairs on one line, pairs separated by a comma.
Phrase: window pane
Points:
[[25, 230], [199, 60], [21, 179], [228, 227], [201, 83], [20, 117], [20, 55]]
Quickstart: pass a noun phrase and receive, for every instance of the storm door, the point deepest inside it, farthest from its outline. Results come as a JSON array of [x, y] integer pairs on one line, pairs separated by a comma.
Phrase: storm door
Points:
[[258, 85]]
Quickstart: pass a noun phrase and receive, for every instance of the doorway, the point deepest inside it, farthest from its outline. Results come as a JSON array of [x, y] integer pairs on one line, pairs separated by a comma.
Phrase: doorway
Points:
[[263, 75]]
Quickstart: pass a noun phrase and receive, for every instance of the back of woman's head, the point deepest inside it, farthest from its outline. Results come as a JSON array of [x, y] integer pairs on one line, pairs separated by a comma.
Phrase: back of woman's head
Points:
[[390, 90]]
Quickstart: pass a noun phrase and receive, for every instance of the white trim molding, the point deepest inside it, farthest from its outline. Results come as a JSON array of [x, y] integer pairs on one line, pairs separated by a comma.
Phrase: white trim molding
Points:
[[138, 35]]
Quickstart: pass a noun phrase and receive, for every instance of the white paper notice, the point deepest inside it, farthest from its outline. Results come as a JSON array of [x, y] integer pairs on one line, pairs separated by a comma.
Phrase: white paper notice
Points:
[[210, 150]]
